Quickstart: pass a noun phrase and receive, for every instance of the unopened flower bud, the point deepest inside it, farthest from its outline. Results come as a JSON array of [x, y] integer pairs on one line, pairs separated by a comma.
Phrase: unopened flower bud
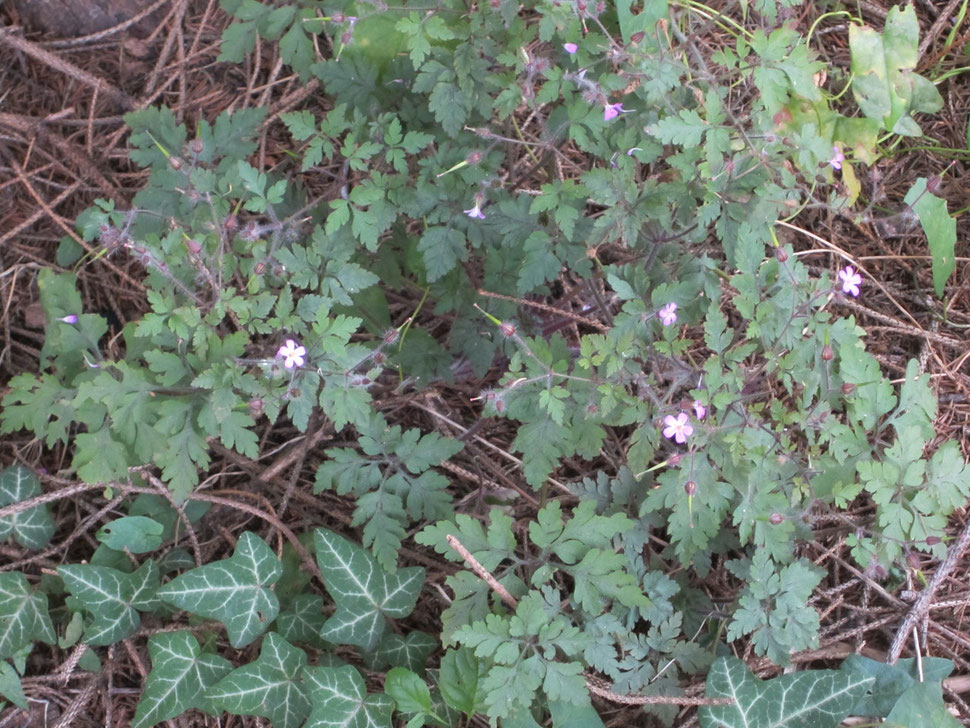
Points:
[[637, 37], [934, 184], [507, 329], [196, 146], [390, 336], [347, 37], [776, 519], [933, 540], [847, 388], [690, 487], [474, 158], [193, 246], [338, 17], [674, 460], [259, 268], [175, 163], [256, 407], [230, 224], [912, 558], [379, 357], [827, 353], [781, 255]]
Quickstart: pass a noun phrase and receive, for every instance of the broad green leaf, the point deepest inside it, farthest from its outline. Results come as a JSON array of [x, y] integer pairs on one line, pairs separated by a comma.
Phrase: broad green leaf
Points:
[[365, 594], [940, 229], [303, 621], [269, 687], [10, 687], [808, 699], [33, 527], [409, 692], [112, 598], [569, 715], [340, 700], [234, 591], [138, 534], [411, 651], [460, 681], [181, 673], [23, 615], [922, 705]]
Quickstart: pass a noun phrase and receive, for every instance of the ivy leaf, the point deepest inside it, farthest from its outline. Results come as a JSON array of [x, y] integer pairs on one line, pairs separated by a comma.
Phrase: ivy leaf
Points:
[[33, 527], [233, 591], [269, 687], [809, 699], [113, 598], [340, 700], [411, 651], [10, 687], [23, 615], [181, 673], [365, 594], [303, 621]]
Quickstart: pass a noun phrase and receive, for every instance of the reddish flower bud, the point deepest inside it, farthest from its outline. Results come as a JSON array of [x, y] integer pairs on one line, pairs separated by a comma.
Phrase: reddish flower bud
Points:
[[474, 158], [934, 184], [507, 329], [259, 268], [690, 487], [776, 519], [912, 558], [175, 163], [230, 224], [338, 17], [194, 246], [827, 353], [379, 357], [933, 540], [674, 460], [390, 336], [196, 146], [255, 407], [848, 388], [637, 37], [781, 255]]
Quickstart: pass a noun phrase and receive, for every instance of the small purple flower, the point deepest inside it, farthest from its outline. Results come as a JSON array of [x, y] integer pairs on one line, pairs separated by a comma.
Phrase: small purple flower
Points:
[[611, 111], [668, 314], [292, 354], [475, 212], [570, 48], [837, 158], [699, 409], [69, 319], [678, 428], [850, 280]]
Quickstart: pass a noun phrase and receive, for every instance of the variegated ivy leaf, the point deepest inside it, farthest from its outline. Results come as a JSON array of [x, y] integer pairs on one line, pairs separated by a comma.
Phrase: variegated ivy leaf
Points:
[[269, 687], [340, 700], [365, 594], [33, 527], [394, 650], [112, 598], [23, 615], [233, 591], [180, 675], [304, 621]]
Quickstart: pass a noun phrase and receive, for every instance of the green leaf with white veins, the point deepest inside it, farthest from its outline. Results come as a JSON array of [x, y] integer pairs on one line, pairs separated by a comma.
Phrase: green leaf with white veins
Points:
[[340, 700], [180, 674], [365, 594], [809, 699], [113, 598], [269, 687], [23, 615], [33, 527], [234, 591]]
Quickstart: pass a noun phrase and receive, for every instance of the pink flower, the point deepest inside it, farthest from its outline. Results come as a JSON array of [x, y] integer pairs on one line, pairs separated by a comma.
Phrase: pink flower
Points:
[[570, 48], [850, 280], [292, 354], [69, 319], [668, 314], [476, 211], [611, 111], [699, 409], [837, 158], [678, 428]]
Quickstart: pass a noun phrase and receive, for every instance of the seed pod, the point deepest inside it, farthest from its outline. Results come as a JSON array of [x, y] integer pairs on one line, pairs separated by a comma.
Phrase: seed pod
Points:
[[776, 519], [781, 255], [390, 336], [690, 487], [848, 388], [827, 353], [175, 163], [474, 158], [934, 184], [507, 329], [674, 460]]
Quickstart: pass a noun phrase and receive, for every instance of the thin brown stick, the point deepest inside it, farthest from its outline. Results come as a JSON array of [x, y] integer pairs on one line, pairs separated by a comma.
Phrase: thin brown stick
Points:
[[547, 308]]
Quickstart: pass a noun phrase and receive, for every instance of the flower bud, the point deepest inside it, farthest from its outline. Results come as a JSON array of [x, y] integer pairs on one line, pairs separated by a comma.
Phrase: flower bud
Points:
[[827, 353], [507, 329], [175, 163], [259, 268], [637, 37], [933, 540], [338, 17], [193, 246], [934, 184], [379, 357], [474, 158], [781, 255], [256, 407], [690, 487], [390, 336], [912, 558], [847, 388], [196, 146], [230, 224], [674, 460], [776, 519]]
